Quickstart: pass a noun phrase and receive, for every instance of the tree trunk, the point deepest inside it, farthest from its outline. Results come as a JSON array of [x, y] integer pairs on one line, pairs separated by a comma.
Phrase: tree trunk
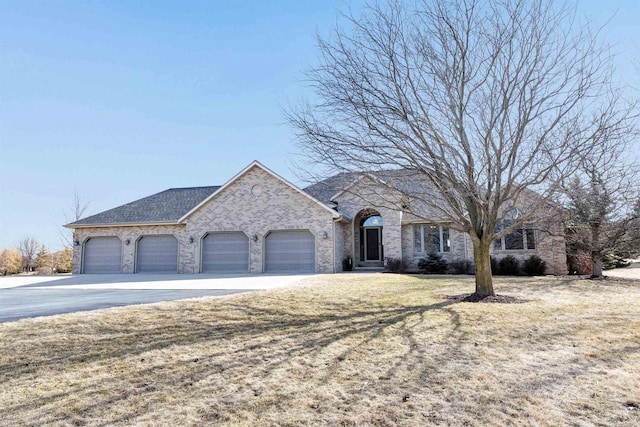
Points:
[[482, 259], [596, 258], [596, 262]]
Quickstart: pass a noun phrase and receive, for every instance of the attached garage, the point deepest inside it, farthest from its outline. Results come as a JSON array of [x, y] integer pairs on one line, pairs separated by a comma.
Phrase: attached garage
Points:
[[102, 255], [157, 254], [225, 253], [290, 251]]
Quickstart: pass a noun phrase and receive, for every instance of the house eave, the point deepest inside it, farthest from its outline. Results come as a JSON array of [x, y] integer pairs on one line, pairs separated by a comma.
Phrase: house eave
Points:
[[122, 224]]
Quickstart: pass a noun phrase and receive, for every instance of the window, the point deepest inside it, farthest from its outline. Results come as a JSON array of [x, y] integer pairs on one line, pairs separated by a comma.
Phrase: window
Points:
[[431, 238], [518, 239], [373, 221]]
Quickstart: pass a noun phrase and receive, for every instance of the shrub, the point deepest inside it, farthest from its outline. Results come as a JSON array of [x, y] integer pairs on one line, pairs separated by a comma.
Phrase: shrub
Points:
[[534, 266], [460, 266], [394, 265], [509, 266], [614, 259], [44, 270], [495, 269], [433, 264]]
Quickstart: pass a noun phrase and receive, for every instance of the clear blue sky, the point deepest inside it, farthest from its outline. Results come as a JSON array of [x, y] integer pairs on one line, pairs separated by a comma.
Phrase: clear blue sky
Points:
[[122, 99]]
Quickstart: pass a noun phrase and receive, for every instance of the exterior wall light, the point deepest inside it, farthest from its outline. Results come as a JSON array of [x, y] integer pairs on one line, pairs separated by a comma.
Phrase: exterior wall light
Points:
[[76, 242], [254, 237], [191, 239], [325, 235], [127, 242]]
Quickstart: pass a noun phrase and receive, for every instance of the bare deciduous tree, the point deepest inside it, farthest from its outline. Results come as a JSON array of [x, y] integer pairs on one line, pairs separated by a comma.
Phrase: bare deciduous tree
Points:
[[601, 198], [75, 211], [28, 247], [483, 100]]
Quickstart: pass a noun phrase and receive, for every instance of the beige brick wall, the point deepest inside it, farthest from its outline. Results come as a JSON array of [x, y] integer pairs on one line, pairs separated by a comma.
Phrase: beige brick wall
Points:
[[257, 203], [364, 195], [133, 234], [458, 248], [551, 249], [274, 206]]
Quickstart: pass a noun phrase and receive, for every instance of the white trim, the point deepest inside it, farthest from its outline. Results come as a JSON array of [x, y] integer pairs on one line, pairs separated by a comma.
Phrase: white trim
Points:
[[441, 227], [253, 164]]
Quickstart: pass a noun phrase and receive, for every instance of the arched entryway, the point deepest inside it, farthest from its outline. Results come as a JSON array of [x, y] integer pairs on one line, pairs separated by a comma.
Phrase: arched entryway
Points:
[[368, 243]]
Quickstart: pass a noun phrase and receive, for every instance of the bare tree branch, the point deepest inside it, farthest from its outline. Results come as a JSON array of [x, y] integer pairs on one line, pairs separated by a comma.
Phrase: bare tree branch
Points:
[[482, 102], [73, 212]]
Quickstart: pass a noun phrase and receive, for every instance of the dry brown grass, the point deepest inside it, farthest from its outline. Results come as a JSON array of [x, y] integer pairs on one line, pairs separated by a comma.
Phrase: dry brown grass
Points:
[[341, 350]]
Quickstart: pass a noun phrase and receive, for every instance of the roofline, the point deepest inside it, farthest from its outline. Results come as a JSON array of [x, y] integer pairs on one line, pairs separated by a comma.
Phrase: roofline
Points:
[[253, 164], [344, 190], [354, 183], [122, 224]]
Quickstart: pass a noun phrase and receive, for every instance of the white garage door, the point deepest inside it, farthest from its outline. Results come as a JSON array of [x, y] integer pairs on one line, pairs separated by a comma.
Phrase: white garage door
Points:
[[102, 255], [157, 254], [290, 251], [225, 253]]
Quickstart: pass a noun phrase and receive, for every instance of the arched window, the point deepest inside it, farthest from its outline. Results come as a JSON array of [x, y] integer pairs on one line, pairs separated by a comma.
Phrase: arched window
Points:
[[373, 221]]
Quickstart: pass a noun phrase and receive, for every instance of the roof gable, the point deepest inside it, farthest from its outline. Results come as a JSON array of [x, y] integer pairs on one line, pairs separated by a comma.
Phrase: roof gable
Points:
[[252, 165]]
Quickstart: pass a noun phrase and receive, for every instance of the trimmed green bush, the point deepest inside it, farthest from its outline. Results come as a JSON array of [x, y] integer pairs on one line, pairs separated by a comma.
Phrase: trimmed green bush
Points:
[[495, 270], [534, 266], [509, 266], [460, 266], [433, 264]]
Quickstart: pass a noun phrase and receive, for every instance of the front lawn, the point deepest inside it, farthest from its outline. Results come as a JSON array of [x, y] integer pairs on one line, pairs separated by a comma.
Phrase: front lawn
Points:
[[359, 349]]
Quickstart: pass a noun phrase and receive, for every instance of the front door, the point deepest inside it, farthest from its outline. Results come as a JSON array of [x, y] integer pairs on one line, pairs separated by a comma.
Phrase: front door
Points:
[[372, 244]]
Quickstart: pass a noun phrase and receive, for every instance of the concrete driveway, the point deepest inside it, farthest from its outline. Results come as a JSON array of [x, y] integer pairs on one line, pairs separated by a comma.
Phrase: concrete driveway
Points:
[[630, 272], [32, 296]]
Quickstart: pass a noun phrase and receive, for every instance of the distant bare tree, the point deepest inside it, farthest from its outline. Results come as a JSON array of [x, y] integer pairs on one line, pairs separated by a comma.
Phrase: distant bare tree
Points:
[[603, 199], [482, 100], [28, 247], [75, 211]]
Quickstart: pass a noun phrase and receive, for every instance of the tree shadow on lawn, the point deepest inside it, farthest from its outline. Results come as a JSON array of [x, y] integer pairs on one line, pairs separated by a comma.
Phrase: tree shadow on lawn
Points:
[[232, 340], [262, 338]]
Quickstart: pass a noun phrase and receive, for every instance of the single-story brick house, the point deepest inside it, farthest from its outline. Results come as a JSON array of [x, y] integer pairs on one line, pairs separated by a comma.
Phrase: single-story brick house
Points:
[[259, 222]]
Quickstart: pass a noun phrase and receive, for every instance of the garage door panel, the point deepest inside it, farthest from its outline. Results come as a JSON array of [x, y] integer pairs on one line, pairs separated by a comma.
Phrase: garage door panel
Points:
[[102, 255], [157, 254], [225, 253], [290, 252]]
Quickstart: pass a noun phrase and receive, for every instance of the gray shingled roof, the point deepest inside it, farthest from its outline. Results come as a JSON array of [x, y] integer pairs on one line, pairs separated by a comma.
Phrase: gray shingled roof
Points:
[[167, 206], [324, 190], [406, 180]]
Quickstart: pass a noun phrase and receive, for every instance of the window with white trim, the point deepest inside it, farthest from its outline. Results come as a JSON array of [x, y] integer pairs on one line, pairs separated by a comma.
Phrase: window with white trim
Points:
[[517, 240], [430, 238]]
